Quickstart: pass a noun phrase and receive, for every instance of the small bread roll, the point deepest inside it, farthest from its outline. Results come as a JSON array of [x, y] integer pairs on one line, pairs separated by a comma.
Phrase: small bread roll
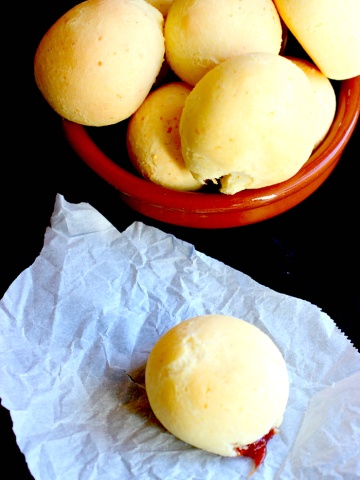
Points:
[[248, 122], [325, 98], [153, 139], [98, 62], [217, 382], [329, 31], [200, 34]]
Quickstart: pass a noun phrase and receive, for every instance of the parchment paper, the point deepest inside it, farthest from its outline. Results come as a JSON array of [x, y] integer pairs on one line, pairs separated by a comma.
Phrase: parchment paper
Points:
[[76, 328]]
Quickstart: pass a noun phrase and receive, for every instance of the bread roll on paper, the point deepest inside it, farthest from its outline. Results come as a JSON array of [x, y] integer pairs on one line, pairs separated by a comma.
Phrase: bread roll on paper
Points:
[[98, 62], [217, 382]]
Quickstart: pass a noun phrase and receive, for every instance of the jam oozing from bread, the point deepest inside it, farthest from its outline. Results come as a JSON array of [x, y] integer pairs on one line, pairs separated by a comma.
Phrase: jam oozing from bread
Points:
[[257, 450]]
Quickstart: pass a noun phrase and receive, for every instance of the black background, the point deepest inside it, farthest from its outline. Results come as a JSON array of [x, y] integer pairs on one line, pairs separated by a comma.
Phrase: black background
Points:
[[310, 252]]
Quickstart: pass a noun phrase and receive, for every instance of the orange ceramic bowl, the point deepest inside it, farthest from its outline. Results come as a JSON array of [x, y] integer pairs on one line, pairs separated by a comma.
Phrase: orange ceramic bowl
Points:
[[217, 210]]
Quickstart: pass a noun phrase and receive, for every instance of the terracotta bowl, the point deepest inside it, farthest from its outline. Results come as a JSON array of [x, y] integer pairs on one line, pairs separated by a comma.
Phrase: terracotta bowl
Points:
[[213, 209]]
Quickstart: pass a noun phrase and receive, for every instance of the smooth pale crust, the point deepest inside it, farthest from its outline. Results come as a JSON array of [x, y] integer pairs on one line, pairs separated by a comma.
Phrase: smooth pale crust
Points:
[[217, 383], [248, 122], [329, 31], [200, 34], [153, 139], [325, 98], [98, 62]]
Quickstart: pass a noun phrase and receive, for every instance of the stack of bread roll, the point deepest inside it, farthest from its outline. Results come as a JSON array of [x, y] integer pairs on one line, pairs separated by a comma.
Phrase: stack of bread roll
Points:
[[251, 117]]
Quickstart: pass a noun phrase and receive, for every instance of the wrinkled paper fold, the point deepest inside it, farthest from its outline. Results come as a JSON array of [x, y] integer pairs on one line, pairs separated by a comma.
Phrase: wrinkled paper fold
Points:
[[76, 328]]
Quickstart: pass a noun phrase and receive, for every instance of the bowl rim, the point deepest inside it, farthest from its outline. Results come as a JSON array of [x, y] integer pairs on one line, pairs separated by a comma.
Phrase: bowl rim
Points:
[[143, 190]]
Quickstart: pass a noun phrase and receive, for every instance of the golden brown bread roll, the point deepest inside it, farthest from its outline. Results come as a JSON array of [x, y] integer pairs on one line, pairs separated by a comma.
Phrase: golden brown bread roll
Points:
[[217, 382], [153, 139], [248, 122], [329, 31], [98, 62], [200, 34]]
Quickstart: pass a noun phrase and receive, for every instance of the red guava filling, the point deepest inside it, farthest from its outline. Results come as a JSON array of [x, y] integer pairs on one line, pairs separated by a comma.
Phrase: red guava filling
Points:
[[257, 450]]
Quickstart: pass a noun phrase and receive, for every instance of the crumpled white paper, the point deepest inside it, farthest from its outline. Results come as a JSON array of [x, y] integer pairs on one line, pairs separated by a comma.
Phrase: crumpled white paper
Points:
[[76, 328]]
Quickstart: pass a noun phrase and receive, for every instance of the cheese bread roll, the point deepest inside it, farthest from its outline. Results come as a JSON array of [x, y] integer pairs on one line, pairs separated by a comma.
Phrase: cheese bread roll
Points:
[[248, 122], [153, 139], [217, 382], [329, 31], [98, 62], [200, 34]]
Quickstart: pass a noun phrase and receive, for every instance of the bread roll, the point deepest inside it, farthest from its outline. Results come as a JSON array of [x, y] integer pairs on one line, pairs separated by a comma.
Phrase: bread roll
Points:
[[217, 382], [153, 139], [200, 34], [325, 98], [98, 62], [248, 122], [329, 31]]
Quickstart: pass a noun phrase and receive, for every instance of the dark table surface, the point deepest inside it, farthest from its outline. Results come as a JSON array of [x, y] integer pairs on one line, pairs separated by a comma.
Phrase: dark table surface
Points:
[[310, 252]]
